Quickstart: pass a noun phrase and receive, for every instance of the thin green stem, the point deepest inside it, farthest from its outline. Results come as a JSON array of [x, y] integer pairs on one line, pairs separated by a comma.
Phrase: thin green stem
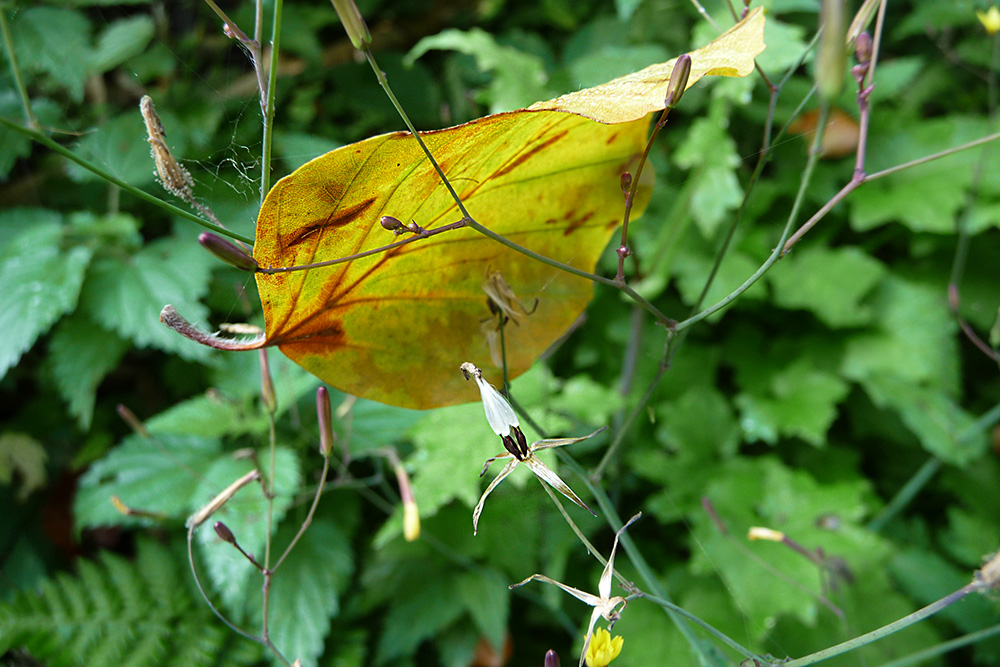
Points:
[[309, 516], [885, 630], [944, 647], [272, 439], [712, 630], [141, 194], [934, 156], [204, 595], [777, 252], [15, 70], [384, 82], [272, 84]]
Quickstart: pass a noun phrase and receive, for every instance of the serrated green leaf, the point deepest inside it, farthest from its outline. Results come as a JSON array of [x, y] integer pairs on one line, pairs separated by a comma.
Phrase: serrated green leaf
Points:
[[246, 515], [41, 282], [785, 45], [80, 355], [127, 295], [485, 595], [120, 41], [209, 416], [970, 537], [22, 454], [305, 590], [55, 41], [832, 283], [157, 475]]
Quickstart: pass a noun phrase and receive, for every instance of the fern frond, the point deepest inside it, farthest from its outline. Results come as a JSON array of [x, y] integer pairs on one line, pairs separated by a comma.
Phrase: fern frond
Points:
[[121, 613]]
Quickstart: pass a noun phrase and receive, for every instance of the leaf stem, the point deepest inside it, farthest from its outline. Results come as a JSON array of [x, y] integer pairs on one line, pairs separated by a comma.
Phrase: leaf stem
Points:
[[15, 70], [885, 630], [141, 194], [272, 84]]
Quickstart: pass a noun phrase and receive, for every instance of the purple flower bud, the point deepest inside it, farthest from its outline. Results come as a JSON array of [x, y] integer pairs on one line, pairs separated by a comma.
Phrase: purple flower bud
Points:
[[551, 658], [325, 417], [228, 252], [390, 223], [863, 48], [626, 182], [678, 81], [222, 530]]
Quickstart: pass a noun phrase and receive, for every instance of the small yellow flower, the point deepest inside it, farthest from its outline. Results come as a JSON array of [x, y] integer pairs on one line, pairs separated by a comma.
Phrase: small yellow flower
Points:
[[990, 19], [603, 649]]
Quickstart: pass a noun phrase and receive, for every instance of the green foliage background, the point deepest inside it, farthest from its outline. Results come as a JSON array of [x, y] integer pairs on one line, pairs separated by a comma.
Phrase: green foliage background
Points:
[[805, 407]]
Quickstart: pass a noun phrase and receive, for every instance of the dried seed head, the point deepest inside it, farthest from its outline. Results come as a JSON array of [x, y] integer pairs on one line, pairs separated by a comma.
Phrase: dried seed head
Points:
[[174, 178], [202, 515], [678, 81], [988, 576], [120, 506], [228, 252]]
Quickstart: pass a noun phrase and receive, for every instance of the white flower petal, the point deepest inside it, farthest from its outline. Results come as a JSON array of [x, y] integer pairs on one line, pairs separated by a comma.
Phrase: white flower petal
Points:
[[604, 586], [584, 596], [544, 473], [498, 411], [507, 469], [590, 633], [549, 443]]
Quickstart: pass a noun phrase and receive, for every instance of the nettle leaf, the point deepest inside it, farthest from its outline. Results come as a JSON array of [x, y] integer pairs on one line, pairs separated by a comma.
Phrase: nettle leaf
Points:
[[230, 573], [393, 326], [832, 283], [80, 355], [158, 474], [419, 614], [55, 41], [126, 295], [41, 282], [120, 41], [305, 590], [710, 153]]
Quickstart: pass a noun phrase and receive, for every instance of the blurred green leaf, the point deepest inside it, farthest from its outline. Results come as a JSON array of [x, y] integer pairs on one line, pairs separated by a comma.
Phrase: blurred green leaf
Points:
[[81, 354], [832, 283], [487, 599], [120, 147], [158, 475], [126, 295], [22, 454], [120, 41], [55, 41], [41, 282]]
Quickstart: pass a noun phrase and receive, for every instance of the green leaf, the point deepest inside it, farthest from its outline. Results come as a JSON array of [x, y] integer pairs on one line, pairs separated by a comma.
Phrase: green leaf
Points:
[[710, 153], [429, 607], [915, 197], [209, 415], [799, 401], [119, 147], [913, 337], [519, 78], [120, 41], [118, 613], [246, 515], [41, 282], [943, 428], [55, 41], [305, 590], [832, 283], [485, 595], [370, 425], [159, 474], [80, 355], [127, 295], [22, 454], [625, 9]]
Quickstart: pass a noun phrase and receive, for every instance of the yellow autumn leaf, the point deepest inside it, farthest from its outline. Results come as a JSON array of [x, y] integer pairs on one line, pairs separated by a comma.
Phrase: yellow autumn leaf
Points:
[[394, 326]]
